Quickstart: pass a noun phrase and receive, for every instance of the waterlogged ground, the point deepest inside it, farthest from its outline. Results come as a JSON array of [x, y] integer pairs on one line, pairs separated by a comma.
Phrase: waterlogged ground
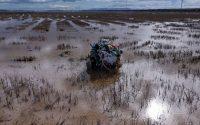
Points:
[[44, 78]]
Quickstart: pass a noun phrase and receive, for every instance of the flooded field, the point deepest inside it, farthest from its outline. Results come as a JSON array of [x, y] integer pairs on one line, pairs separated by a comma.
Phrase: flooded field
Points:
[[43, 77]]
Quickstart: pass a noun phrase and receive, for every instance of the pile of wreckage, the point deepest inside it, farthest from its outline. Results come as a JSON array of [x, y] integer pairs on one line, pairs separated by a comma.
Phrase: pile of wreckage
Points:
[[103, 56]]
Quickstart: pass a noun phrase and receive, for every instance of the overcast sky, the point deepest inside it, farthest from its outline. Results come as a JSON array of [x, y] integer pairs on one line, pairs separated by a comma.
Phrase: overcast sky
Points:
[[94, 4]]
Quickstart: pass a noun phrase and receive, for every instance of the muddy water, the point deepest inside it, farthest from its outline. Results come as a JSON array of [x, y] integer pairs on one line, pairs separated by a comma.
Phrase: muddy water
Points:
[[144, 90]]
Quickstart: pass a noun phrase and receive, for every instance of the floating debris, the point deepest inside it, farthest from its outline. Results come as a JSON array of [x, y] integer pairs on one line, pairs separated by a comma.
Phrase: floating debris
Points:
[[103, 56]]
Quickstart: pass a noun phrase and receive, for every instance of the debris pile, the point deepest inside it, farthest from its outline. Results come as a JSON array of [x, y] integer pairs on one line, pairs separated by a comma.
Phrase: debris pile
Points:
[[103, 56]]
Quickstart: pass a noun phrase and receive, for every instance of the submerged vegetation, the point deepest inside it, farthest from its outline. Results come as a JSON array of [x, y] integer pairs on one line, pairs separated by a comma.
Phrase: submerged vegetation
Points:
[[43, 26], [43, 76]]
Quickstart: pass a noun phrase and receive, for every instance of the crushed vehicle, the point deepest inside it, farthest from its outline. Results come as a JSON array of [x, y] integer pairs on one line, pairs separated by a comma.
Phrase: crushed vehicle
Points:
[[103, 56]]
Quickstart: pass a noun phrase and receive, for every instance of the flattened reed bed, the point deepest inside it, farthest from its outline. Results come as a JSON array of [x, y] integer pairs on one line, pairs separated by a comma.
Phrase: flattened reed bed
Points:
[[175, 57], [99, 22], [178, 29], [19, 92], [25, 25], [195, 36], [155, 55], [166, 37], [10, 28], [25, 59], [111, 21], [128, 44], [136, 46], [80, 23], [133, 26], [92, 28], [64, 46], [40, 38], [17, 43], [65, 37], [163, 46], [166, 32], [175, 25], [43, 26], [20, 27], [184, 26], [63, 25], [187, 71], [112, 38]]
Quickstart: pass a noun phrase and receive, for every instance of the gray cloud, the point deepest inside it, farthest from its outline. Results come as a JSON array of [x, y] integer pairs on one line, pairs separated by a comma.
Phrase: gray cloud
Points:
[[94, 4], [35, 1]]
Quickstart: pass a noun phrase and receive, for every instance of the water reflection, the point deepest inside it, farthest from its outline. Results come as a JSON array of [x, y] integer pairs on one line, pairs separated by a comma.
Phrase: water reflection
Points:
[[101, 79], [156, 110]]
